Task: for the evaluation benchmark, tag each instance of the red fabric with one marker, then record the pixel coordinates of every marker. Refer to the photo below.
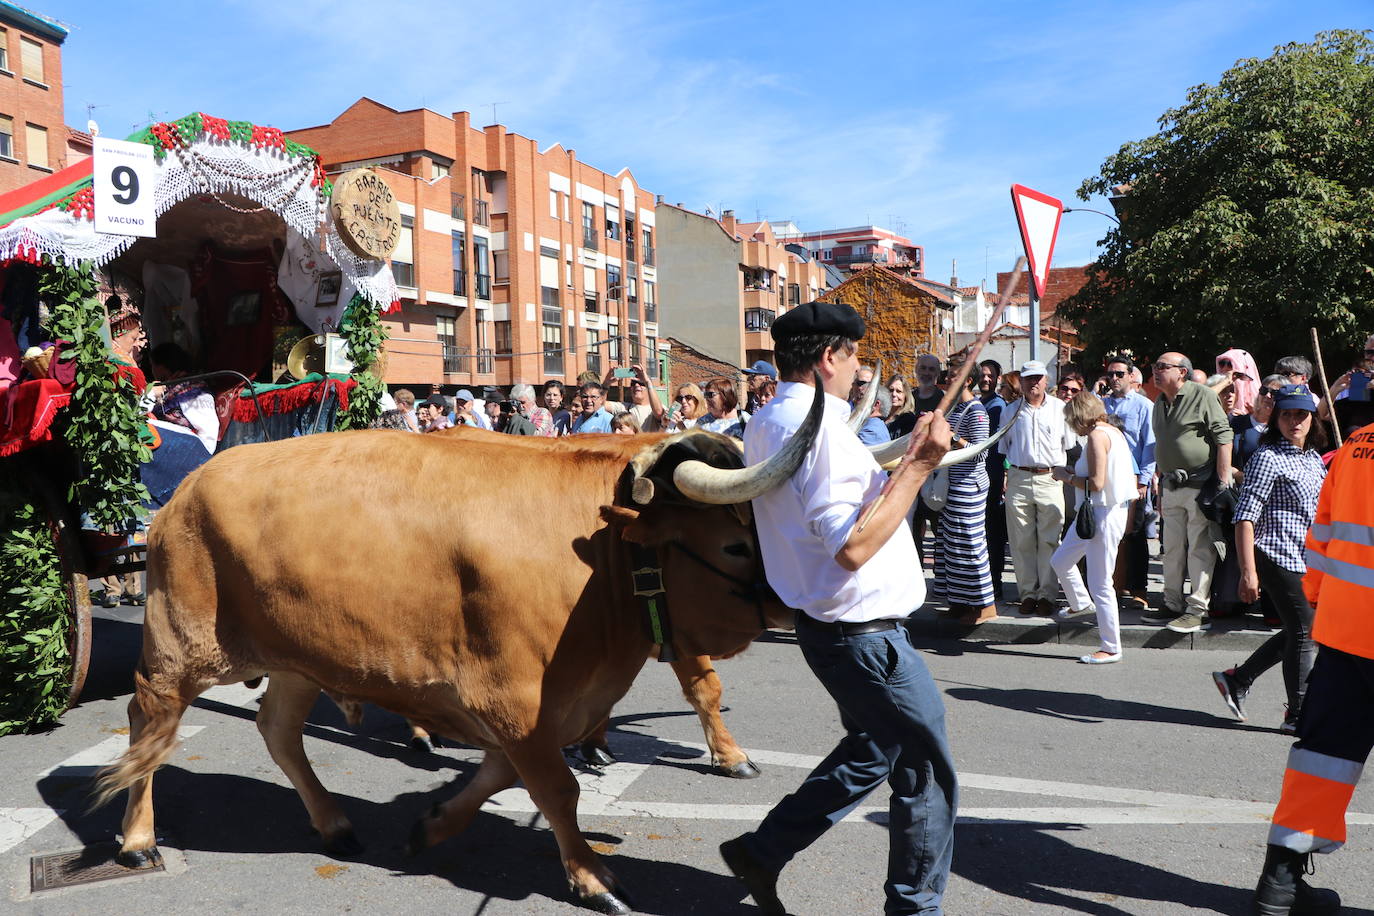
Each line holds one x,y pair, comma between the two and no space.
132,373
287,399
243,341
29,409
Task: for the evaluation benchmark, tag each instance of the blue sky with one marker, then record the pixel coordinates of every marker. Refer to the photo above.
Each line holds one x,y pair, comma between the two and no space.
915,116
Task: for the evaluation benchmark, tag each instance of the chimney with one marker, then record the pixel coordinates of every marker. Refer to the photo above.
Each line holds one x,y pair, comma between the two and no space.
954,273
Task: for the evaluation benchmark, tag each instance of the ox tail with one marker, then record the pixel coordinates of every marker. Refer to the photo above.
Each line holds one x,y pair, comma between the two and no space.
149,749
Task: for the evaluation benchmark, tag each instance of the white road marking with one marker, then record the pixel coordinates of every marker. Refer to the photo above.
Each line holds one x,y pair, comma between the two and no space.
107,751
18,824
234,694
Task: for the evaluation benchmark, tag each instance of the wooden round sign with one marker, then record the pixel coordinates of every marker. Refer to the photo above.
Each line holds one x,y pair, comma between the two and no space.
366,214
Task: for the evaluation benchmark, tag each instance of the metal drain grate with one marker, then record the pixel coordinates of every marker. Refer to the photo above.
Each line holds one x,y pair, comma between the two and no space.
81,866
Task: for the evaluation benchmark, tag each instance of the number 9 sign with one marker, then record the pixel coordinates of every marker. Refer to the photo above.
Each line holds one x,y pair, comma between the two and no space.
125,177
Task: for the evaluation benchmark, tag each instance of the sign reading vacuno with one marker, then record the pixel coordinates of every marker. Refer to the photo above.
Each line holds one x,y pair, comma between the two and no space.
366,214
125,179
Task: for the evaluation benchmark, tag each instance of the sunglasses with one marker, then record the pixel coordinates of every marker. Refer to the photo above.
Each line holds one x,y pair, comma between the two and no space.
1369,353
685,397
1070,389
1113,373
1160,367
711,394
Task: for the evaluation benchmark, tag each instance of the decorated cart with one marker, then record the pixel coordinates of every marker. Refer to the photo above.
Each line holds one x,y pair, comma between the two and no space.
201,265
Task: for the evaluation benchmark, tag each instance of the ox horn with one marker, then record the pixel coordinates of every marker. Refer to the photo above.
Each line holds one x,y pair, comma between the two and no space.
888,454
728,486
859,414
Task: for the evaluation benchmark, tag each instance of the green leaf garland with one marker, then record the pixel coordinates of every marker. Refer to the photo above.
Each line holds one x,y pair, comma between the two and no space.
364,333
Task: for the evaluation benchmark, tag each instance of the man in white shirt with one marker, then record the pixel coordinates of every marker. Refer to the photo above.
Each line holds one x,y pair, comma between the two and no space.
1034,499
853,584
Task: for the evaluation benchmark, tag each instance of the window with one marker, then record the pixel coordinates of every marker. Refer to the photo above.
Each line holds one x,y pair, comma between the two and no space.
503,344
648,252
794,293
612,221
402,259
548,297
588,226
440,170
552,328
568,273
4,50
483,215
630,238
32,59
612,281
860,249
500,261
650,306
457,207
553,203
481,267
7,136
632,289
634,341
613,341
36,141
827,254
651,367
448,343
460,275
486,364
594,352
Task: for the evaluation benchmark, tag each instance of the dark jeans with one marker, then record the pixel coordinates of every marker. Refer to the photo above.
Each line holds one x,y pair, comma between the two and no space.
1293,645
894,722
995,523
1335,720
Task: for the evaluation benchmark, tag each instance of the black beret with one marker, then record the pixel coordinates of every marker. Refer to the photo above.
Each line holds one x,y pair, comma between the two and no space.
819,318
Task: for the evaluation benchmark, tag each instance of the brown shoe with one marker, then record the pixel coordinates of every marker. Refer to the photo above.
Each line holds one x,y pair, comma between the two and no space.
1136,600
1044,607
975,616
1028,607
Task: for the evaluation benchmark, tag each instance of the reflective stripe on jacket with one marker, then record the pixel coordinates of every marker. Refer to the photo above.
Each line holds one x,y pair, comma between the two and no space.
1340,551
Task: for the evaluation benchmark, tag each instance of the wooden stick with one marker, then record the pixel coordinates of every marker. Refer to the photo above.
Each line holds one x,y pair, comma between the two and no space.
956,382
1326,390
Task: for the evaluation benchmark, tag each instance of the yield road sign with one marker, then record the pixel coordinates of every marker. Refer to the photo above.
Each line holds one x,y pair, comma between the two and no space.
1038,217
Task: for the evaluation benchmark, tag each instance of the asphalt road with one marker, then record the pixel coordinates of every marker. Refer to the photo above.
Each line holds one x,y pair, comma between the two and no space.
1121,789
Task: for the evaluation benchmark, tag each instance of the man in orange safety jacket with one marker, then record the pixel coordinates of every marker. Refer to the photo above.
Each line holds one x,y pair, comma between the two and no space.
1336,724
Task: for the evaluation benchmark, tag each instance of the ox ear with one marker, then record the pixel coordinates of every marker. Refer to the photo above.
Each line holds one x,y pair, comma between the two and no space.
631,527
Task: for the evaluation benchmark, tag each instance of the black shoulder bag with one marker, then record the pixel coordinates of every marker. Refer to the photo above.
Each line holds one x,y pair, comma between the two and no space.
1086,522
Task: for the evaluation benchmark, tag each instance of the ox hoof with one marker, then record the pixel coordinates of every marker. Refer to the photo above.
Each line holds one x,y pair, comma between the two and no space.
596,755
422,745
419,837
140,858
344,846
745,770
606,902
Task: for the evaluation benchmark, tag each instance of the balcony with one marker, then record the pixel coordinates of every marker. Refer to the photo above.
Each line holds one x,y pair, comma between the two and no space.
484,286
869,257
553,361
629,250
589,239
613,231
458,207
481,214
759,319
460,283
455,358
486,361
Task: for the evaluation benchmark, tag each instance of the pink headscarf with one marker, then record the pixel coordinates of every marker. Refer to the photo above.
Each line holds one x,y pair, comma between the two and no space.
1246,388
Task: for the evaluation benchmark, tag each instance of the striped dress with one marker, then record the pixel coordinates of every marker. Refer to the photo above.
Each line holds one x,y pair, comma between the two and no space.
961,546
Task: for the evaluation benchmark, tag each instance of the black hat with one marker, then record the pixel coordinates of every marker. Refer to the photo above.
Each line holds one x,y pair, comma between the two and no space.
819,318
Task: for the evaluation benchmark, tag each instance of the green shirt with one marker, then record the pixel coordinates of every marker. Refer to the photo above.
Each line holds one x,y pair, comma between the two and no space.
1189,429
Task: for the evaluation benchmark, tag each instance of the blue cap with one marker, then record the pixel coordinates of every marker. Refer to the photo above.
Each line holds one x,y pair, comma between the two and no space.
1295,397
464,395
762,367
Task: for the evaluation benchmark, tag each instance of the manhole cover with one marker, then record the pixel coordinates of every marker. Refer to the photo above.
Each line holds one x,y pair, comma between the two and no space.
81,866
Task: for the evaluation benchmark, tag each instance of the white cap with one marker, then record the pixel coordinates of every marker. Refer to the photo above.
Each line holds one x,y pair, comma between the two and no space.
1032,369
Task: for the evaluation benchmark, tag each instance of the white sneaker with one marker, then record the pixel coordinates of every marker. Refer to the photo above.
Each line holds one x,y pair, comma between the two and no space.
1095,660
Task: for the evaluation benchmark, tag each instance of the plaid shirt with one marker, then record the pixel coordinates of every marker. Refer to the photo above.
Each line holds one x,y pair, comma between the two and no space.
1279,496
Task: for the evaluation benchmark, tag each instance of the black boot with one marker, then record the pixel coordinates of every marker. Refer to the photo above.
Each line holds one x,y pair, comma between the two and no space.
1282,890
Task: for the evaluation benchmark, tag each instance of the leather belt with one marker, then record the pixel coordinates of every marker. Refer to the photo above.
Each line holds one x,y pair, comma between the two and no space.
842,628
1032,470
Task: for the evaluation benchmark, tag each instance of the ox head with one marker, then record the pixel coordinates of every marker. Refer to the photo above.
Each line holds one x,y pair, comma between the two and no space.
686,497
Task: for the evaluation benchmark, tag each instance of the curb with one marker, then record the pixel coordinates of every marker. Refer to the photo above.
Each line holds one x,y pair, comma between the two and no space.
1230,634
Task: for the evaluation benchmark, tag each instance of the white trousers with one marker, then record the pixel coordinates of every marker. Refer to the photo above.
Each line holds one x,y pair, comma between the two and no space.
1189,549
1101,554
1035,517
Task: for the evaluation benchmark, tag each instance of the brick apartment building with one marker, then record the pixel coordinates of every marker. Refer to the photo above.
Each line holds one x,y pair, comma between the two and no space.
515,264
727,282
34,137
851,250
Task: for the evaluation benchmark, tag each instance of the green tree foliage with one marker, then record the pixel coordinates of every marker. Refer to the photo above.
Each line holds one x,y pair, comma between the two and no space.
1248,218
363,333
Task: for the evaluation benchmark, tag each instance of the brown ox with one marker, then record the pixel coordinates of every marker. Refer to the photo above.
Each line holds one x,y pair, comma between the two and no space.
245,578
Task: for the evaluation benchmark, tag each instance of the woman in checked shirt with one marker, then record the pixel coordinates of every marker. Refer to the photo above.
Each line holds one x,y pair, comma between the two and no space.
1278,499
